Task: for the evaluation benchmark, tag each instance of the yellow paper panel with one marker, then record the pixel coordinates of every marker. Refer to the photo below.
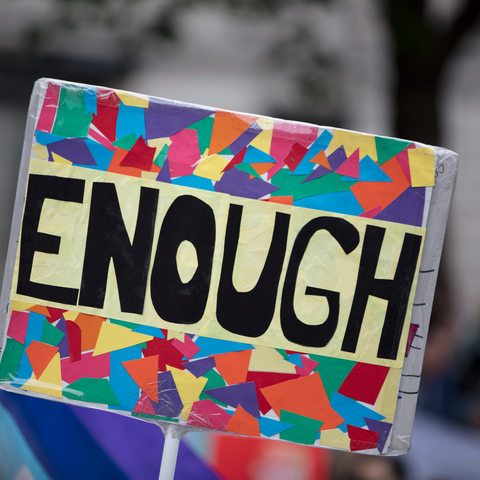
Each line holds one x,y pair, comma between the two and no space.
324,264
387,398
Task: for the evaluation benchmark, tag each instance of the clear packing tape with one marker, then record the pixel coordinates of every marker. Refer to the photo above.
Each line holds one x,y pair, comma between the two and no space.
199,268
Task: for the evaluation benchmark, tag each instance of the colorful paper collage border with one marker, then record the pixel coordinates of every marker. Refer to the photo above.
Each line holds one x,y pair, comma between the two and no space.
197,381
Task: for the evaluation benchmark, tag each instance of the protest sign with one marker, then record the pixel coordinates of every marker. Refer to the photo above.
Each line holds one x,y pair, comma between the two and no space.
219,270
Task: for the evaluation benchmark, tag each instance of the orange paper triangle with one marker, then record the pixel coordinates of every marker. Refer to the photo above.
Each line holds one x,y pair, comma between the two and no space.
287,200
233,366
39,309
321,159
227,127
90,326
262,168
40,355
144,372
243,423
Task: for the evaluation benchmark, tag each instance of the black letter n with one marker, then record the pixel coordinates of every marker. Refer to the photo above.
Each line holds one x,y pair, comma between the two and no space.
107,238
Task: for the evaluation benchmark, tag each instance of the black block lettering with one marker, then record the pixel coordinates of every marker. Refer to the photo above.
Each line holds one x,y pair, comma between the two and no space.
250,313
188,219
41,187
396,291
293,328
107,239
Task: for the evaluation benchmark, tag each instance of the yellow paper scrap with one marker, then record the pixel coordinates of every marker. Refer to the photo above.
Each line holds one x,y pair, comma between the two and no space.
60,159
335,439
70,315
158,144
351,141
133,100
189,388
422,166
41,151
265,359
173,334
211,167
115,337
50,381
20,306
263,141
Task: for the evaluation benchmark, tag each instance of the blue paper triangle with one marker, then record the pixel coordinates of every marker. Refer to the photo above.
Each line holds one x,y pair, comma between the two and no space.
194,181
146,330
352,412
337,202
369,172
44,138
254,155
213,346
270,427
296,359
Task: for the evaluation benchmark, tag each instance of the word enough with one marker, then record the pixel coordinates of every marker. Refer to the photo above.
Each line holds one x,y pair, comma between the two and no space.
193,220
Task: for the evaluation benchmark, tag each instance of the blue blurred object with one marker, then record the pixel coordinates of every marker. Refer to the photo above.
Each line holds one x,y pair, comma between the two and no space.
77,443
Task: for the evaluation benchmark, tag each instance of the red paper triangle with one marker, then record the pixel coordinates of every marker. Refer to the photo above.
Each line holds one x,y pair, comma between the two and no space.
140,156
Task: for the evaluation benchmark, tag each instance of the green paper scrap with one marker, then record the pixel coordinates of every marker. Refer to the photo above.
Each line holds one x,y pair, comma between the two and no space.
226,151
10,360
155,417
204,133
94,390
127,142
305,429
333,371
161,157
288,185
388,148
247,168
141,345
215,380
71,119
51,335
283,353
291,185
122,323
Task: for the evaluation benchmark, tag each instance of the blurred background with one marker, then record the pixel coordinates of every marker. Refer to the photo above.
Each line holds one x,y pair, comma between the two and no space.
404,68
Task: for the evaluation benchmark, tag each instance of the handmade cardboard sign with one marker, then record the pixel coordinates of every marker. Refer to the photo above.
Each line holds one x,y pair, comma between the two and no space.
221,270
